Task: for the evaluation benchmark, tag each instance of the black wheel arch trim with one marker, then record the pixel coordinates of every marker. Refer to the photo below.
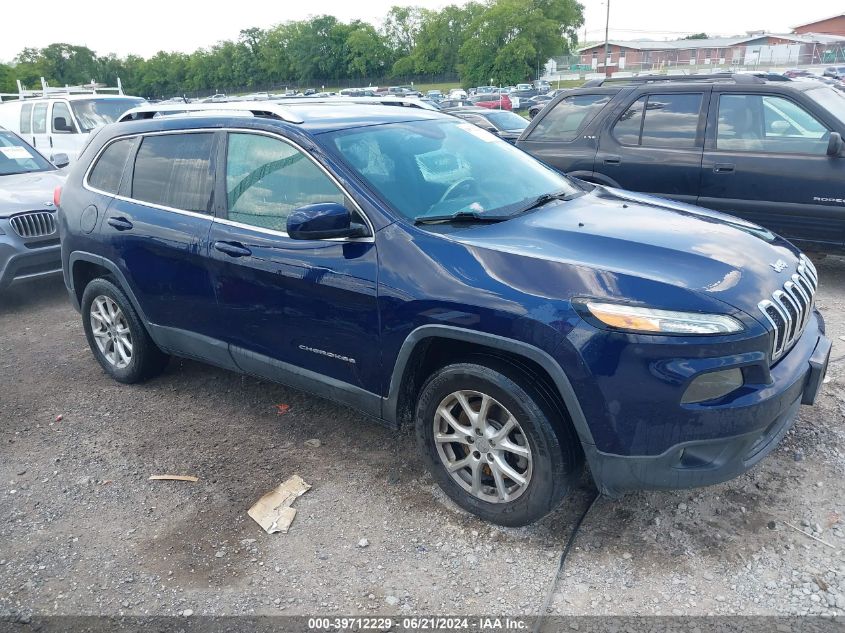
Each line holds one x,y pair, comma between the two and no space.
543,359
101,261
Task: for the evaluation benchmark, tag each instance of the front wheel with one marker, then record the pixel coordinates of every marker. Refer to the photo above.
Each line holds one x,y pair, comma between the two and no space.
496,445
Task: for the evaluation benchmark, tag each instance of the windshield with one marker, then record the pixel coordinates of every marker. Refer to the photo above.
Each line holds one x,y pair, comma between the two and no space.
443,167
831,100
16,157
92,113
506,120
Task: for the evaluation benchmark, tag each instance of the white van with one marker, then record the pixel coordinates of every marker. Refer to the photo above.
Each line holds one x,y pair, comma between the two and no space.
58,120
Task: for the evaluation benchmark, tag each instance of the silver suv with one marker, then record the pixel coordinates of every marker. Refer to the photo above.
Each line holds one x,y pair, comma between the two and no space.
29,241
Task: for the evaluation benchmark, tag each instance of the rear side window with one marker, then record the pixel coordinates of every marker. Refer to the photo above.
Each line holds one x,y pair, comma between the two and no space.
109,168
174,170
39,118
663,120
26,118
566,120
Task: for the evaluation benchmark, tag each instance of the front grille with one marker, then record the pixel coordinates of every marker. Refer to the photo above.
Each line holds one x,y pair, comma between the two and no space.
34,224
789,309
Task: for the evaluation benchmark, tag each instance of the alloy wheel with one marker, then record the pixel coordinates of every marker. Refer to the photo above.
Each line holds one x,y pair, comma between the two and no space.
111,331
482,446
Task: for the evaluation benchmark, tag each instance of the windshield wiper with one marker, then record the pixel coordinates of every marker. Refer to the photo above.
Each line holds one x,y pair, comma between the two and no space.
545,198
460,216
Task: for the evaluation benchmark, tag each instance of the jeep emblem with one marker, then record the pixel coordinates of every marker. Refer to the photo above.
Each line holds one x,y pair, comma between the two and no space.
779,266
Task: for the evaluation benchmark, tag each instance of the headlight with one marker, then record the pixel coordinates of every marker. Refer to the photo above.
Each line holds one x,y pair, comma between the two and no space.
653,321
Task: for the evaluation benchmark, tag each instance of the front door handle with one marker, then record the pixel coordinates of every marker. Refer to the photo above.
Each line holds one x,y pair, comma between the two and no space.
612,160
723,168
233,249
121,224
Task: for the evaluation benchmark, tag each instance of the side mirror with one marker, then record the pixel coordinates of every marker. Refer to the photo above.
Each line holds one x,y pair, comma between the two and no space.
60,124
323,221
61,160
835,144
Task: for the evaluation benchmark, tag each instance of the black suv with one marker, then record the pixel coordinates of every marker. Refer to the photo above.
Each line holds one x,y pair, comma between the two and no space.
768,151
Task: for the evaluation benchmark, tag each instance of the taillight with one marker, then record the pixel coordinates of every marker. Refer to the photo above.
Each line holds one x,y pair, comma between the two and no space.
57,196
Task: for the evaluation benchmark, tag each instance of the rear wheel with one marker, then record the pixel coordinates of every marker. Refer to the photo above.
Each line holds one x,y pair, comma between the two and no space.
117,337
495,444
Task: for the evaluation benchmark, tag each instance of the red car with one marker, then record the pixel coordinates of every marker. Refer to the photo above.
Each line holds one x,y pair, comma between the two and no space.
499,101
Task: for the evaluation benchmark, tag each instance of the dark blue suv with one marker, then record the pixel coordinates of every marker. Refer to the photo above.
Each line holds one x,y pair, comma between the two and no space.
425,272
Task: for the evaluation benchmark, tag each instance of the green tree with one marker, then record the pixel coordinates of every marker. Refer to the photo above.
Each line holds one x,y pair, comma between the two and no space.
509,40
366,51
7,79
697,36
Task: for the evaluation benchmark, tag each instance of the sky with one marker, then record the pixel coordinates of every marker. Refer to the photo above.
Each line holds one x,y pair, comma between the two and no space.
185,25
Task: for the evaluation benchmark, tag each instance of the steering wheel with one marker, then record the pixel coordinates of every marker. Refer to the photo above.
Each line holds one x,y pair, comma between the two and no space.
463,186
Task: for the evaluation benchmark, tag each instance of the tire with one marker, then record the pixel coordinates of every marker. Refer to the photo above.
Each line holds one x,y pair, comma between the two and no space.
550,469
141,359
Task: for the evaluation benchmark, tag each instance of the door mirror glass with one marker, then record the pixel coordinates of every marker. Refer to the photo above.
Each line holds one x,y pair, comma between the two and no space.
835,144
61,160
322,221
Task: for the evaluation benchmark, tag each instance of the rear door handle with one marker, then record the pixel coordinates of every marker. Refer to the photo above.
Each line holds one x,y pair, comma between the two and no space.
723,168
121,224
233,249
612,160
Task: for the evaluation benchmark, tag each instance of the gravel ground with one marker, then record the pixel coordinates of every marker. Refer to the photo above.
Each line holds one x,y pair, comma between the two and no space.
82,530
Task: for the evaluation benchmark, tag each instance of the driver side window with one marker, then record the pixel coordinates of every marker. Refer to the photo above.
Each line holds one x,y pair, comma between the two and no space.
267,179
767,123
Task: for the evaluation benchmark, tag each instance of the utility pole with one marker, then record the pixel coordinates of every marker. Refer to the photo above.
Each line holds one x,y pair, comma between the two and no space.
607,41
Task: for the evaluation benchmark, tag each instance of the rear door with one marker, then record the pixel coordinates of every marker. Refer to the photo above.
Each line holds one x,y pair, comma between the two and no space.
157,231
40,135
561,136
654,143
766,160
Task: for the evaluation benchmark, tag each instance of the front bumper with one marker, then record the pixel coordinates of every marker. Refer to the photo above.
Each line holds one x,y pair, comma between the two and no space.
22,259
765,418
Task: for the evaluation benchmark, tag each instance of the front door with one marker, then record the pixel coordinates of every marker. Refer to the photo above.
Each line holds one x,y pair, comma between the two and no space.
288,305
655,144
766,160
157,231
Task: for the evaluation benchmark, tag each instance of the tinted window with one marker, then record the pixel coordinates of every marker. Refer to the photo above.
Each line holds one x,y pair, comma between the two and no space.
174,170
61,111
670,121
26,118
39,118
92,113
765,123
267,179
109,168
627,128
567,118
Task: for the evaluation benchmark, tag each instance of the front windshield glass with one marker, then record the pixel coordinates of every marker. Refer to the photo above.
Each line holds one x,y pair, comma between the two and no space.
831,100
506,120
443,167
92,113
16,157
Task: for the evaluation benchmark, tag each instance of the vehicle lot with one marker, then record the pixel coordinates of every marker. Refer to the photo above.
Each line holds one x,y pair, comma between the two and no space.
83,531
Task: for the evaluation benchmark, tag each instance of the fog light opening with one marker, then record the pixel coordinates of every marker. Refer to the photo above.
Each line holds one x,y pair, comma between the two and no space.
713,385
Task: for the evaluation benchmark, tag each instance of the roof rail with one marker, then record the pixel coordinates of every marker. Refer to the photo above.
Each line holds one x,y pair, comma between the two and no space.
740,78
47,92
253,108
409,102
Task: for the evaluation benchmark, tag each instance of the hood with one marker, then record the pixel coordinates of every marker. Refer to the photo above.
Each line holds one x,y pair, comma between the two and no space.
625,237
29,192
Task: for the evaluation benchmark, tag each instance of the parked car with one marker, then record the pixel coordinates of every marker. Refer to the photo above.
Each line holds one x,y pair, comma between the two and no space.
216,98
457,93
542,86
770,152
429,274
60,123
498,101
448,104
434,95
29,241
502,123
835,72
